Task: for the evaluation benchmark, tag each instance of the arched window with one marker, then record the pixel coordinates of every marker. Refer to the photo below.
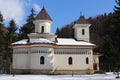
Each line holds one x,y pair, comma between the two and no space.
42,29
87,60
70,60
42,60
83,31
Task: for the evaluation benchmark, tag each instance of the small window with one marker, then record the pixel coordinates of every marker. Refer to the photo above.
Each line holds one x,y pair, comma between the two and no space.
87,60
42,60
70,60
42,29
83,31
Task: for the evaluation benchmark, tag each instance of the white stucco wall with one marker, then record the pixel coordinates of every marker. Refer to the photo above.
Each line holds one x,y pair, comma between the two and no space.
79,61
53,61
35,59
40,23
20,57
31,60
78,31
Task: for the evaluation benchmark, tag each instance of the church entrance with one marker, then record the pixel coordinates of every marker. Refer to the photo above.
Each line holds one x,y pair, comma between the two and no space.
95,66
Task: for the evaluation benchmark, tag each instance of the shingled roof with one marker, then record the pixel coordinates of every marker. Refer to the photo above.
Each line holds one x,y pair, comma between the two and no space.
43,15
82,20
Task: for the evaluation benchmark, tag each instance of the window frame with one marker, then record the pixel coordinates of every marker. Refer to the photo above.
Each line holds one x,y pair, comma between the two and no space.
83,31
42,60
87,60
70,61
42,29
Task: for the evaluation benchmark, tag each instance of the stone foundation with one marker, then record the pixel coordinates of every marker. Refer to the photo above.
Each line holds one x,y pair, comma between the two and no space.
72,72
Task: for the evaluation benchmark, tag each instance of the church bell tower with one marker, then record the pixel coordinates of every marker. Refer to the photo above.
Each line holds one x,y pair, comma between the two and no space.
42,27
43,22
81,29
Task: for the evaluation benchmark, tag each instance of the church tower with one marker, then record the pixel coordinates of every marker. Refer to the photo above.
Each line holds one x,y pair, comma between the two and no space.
43,22
42,27
81,29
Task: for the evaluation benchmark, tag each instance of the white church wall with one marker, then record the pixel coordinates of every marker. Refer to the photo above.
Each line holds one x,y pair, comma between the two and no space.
20,57
85,36
46,27
79,60
78,31
36,53
40,23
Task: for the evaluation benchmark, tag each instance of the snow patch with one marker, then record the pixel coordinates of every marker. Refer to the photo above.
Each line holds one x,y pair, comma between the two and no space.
24,41
65,41
59,77
40,40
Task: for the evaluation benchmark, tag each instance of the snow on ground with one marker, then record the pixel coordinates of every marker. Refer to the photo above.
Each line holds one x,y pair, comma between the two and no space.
58,77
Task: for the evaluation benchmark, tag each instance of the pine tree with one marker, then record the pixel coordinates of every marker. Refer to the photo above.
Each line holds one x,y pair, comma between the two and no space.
3,33
12,35
111,47
57,32
29,27
115,31
2,41
117,7
30,21
108,50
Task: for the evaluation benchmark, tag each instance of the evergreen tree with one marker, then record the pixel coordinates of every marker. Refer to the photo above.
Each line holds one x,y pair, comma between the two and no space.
10,38
108,50
2,41
29,27
115,31
111,47
12,35
30,20
1,18
57,33
3,33
117,7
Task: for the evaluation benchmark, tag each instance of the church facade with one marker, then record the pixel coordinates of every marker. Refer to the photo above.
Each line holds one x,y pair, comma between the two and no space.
44,53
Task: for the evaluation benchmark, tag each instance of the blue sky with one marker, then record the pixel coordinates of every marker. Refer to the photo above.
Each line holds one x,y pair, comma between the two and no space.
61,11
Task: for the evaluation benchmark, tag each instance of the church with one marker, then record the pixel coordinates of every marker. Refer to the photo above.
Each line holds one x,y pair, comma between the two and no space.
44,53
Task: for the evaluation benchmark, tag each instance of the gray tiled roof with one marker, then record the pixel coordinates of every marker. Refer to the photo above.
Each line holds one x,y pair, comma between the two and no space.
81,20
43,15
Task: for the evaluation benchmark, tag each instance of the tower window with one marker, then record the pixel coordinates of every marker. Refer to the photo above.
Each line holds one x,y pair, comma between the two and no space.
70,60
42,60
42,29
87,60
83,31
